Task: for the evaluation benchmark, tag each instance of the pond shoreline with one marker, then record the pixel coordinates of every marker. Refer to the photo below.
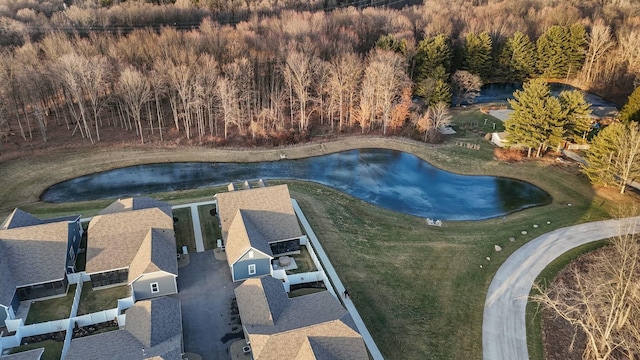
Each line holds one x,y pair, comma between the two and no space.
395,180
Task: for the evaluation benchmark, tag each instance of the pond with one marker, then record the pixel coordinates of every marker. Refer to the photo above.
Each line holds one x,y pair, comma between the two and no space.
500,92
390,179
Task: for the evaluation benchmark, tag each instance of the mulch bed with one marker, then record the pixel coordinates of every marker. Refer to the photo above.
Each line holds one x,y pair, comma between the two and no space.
77,332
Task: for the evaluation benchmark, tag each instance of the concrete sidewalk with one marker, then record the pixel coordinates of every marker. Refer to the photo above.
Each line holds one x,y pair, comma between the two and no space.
504,320
338,287
197,230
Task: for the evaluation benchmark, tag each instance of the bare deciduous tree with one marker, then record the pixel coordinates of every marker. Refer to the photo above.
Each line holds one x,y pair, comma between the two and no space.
465,86
603,299
135,91
298,73
435,117
599,43
384,79
344,76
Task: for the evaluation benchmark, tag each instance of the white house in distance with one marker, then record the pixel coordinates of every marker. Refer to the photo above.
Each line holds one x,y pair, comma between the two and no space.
257,225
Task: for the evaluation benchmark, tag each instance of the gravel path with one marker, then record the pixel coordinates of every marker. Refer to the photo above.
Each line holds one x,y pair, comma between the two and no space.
503,327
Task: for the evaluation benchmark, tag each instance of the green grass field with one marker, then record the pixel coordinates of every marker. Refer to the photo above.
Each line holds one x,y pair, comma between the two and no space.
102,299
52,349
209,226
52,309
183,228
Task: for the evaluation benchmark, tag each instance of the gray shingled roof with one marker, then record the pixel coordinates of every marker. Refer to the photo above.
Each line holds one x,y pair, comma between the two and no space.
136,203
32,255
261,301
19,218
7,282
155,325
115,239
34,354
157,253
272,212
243,235
165,320
314,326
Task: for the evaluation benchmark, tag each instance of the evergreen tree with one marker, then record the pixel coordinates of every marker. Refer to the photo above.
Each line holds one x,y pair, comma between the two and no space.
576,48
517,58
524,125
541,120
390,42
476,55
614,155
576,111
561,51
433,59
631,110
433,91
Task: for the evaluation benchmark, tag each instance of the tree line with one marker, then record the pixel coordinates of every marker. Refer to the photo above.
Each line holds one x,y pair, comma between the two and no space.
281,76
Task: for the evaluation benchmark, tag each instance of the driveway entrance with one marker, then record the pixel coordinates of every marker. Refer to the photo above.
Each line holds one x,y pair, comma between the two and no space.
210,317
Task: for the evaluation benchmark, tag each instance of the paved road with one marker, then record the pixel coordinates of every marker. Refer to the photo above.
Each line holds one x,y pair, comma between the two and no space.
209,317
503,327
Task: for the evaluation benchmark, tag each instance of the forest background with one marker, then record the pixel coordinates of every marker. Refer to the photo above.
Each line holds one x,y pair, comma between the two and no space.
277,72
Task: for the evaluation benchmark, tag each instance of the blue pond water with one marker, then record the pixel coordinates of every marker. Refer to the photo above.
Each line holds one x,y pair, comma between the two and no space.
500,92
390,179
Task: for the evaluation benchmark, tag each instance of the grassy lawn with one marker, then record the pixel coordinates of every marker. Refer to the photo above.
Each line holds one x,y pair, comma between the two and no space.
52,309
102,299
474,120
304,262
184,229
52,349
304,291
209,225
420,288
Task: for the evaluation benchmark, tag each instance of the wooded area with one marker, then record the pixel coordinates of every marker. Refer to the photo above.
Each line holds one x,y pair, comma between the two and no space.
282,74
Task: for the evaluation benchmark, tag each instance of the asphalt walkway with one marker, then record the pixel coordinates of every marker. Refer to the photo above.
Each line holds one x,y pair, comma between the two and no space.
337,284
504,320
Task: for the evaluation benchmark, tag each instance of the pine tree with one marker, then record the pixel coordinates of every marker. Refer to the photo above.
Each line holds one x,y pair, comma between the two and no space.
433,59
541,120
576,110
476,55
561,51
390,42
433,91
631,110
552,60
517,58
576,48
524,125
614,155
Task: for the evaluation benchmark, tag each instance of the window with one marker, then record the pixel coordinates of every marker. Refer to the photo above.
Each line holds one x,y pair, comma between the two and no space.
250,253
154,288
252,269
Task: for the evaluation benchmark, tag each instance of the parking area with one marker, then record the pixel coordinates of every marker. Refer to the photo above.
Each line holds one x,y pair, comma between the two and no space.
210,317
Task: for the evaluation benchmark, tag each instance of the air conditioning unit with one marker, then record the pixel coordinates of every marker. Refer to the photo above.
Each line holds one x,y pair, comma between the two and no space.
246,349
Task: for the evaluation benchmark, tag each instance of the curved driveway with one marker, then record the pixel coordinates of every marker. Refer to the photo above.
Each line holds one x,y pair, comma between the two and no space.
503,326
